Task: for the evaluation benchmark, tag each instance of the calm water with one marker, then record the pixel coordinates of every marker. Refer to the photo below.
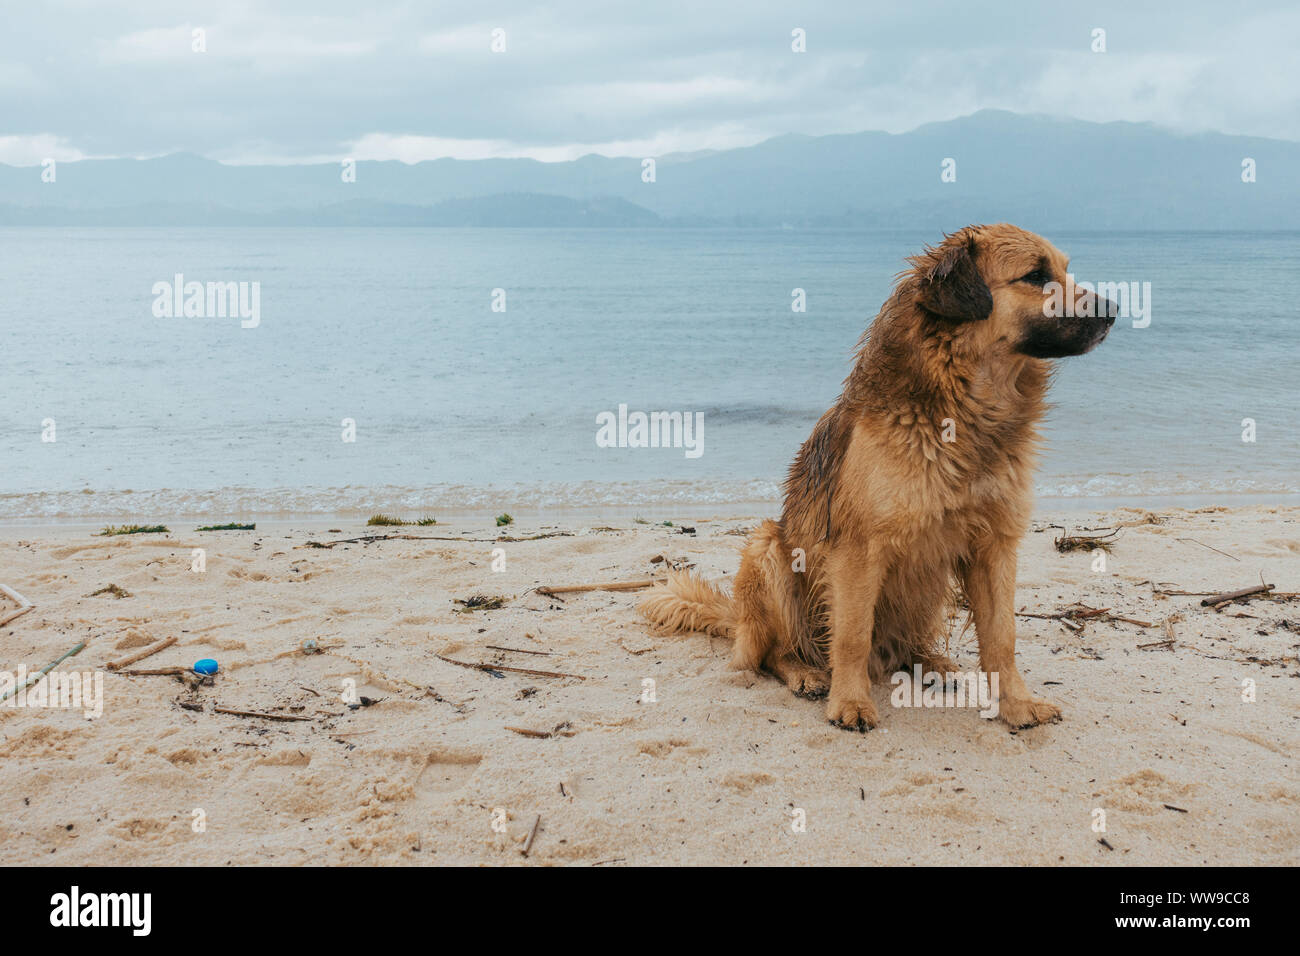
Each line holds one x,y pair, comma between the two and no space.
459,407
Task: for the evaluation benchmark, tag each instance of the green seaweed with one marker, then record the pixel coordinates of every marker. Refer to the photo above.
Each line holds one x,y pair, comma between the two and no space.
481,602
134,529
386,521
112,589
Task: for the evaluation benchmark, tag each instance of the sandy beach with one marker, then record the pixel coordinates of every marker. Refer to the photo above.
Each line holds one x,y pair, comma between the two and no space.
419,764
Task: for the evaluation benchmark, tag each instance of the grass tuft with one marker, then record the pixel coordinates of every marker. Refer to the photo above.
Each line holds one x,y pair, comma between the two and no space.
227,527
133,529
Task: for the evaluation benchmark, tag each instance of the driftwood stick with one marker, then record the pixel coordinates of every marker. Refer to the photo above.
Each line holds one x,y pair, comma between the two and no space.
610,586
502,667
14,615
253,713
516,650
532,834
141,655
24,605
156,672
1233,595
563,729
525,732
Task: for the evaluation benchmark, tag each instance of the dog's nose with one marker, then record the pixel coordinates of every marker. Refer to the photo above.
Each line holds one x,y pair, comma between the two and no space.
1102,308
1107,309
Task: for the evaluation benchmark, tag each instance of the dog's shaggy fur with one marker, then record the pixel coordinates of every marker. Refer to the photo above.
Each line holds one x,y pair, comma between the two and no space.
919,475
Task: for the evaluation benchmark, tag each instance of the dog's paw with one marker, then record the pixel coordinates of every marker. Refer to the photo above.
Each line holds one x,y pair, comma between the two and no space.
849,714
938,664
1023,712
810,682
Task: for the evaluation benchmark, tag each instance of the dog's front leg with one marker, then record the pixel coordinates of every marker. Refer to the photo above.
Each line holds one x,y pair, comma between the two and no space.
854,579
990,581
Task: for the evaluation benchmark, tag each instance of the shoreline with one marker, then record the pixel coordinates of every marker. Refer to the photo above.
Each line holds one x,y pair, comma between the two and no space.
659,511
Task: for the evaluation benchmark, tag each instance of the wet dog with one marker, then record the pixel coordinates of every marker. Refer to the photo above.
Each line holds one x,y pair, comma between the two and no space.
919,477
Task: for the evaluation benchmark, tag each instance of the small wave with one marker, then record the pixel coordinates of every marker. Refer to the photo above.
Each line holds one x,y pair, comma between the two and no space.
717,415
1153,485
245,503
356,501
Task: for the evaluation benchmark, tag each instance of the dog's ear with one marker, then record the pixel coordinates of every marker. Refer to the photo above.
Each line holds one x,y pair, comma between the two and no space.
951,285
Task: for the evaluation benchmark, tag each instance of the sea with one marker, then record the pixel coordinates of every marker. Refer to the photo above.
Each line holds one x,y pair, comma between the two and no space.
435,371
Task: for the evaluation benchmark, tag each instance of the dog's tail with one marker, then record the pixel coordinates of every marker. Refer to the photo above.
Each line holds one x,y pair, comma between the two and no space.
687,603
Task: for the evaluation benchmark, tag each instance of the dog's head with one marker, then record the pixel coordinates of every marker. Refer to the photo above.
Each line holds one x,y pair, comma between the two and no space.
1002,288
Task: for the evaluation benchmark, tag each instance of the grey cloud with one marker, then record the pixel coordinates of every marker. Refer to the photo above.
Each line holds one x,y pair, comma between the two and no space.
296,79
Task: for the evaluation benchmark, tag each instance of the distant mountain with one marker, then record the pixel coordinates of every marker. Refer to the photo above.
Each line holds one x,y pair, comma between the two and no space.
504,209
1044,173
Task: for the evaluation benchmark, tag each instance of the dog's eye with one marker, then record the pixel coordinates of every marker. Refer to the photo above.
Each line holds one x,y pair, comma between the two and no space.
1038,277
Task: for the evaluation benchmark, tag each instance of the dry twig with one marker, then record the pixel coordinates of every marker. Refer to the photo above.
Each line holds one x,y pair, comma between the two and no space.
24,605
254,713
611,586
1228,596
141,655
503,667
532,834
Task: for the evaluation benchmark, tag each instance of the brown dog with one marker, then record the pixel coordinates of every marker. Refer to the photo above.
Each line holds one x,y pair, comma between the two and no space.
920,472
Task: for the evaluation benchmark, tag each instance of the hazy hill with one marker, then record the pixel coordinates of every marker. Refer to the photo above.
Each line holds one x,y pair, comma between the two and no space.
503,209
1046,172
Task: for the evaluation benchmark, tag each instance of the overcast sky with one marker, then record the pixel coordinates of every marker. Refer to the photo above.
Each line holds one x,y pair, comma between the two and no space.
308,80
